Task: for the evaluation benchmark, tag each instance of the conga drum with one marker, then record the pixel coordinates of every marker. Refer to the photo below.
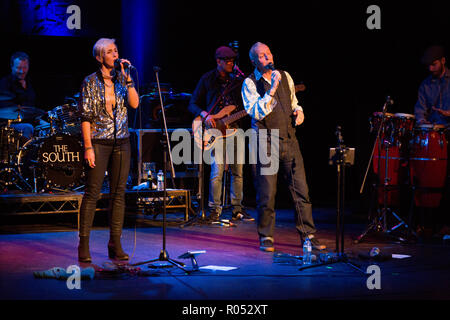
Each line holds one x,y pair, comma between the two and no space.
388,155
376,120
428,164
403,127
395,173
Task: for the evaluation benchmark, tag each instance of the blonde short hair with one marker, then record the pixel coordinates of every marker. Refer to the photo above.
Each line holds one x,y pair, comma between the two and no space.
100,46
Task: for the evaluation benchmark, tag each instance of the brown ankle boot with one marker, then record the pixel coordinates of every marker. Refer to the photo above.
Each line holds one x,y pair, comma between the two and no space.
115,250
83,250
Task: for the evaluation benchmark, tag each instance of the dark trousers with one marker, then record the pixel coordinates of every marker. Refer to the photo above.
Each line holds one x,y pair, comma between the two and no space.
291,164
115,159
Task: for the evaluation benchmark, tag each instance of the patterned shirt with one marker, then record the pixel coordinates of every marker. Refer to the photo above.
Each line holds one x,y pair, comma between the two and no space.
259,107
93,108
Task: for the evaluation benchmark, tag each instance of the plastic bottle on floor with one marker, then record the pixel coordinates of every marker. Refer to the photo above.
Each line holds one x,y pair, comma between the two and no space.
307,249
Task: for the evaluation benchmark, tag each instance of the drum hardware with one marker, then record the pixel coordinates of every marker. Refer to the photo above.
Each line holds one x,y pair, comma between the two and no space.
49,161
13,178
24,112
391,130
10,144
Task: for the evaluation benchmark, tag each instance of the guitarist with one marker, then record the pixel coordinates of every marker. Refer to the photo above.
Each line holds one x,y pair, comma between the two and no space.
217,89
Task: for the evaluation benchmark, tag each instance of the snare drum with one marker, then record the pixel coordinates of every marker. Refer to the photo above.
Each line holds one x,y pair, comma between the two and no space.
42,131
429,164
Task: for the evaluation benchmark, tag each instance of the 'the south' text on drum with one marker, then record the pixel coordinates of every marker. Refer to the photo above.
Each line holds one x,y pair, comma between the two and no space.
61,155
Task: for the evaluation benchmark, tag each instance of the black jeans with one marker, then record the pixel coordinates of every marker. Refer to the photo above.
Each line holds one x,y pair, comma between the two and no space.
115,159
291,163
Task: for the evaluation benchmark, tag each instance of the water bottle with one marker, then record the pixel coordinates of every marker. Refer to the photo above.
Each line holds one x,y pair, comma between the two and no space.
160,180
307,249
149,179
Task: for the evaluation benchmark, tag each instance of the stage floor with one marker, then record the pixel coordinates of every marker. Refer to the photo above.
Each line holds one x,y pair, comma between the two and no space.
258,275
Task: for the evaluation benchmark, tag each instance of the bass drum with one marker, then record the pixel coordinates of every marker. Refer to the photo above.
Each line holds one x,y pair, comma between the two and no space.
52,163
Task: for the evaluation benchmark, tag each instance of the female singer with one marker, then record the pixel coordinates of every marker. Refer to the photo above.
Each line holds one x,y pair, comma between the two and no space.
105,96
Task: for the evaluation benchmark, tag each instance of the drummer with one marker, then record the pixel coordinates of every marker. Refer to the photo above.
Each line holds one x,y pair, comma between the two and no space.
433,104
18,86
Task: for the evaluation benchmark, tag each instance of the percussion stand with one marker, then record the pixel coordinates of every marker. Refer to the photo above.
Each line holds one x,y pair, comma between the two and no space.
164,256
385,209
379,222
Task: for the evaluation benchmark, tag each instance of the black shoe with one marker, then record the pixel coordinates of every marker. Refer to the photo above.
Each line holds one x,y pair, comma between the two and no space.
242,215
266,245
315,243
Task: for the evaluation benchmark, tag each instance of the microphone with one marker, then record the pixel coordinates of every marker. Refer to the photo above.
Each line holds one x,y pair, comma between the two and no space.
156,68
126,65
389,101
375,254
270,66
338,134
238,71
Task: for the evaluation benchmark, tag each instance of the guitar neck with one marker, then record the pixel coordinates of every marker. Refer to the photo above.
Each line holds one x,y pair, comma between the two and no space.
234,117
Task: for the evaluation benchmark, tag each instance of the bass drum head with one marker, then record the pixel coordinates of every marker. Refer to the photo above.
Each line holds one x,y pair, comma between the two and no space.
55,162
60,156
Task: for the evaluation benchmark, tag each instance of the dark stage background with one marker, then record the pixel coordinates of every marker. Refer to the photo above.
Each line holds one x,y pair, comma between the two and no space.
348,69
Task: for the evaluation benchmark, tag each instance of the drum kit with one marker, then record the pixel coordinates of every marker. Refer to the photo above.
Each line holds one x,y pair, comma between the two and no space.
52,160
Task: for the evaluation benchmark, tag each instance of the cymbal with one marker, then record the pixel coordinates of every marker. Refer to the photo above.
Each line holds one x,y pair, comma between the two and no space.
181,96
6,96
25,112
169,95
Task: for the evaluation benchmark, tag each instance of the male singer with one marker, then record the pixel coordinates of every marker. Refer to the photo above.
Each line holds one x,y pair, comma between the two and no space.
269,98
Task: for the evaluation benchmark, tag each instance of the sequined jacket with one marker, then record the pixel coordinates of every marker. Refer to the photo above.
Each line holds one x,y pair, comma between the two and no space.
93,108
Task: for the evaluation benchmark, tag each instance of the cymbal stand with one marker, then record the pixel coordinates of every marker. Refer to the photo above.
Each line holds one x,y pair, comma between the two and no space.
9,169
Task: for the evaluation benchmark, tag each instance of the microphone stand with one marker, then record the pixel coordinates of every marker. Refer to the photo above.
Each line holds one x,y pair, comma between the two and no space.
164,256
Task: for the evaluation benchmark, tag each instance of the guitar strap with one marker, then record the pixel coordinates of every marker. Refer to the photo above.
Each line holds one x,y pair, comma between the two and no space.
227,89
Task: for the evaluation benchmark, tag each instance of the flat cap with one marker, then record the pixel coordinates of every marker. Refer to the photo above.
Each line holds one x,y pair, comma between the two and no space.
225,52
431,54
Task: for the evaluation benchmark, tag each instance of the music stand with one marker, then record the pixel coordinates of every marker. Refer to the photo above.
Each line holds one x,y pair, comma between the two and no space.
164,256
341,156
